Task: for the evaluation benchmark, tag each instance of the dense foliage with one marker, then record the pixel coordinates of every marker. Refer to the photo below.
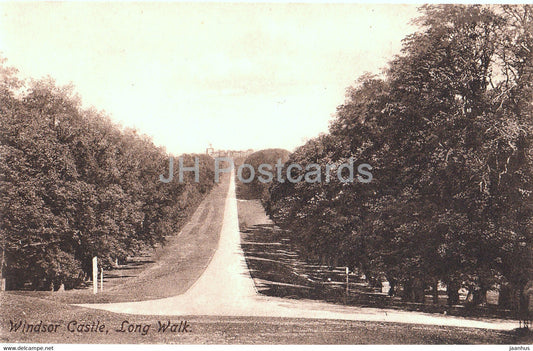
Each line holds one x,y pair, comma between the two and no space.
257,189
74,185
448,131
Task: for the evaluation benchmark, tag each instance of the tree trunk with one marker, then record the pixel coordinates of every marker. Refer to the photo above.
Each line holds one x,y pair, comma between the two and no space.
523,308
504,296
408,294
479,296
392,287
419,293
469,297
435,292
452,289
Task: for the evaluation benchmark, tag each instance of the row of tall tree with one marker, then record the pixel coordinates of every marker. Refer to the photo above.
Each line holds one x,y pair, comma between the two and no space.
256,189
74,185
448,131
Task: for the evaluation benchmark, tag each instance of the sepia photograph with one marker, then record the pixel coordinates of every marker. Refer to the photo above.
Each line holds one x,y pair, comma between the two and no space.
175,174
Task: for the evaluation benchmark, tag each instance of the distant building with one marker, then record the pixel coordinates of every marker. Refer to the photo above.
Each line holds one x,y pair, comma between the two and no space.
210,150
227,153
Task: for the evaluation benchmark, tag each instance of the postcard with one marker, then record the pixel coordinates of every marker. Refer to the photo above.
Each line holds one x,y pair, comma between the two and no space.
254,173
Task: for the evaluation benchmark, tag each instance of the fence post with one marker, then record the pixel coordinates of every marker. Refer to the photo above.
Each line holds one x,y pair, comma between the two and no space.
347,282
95,275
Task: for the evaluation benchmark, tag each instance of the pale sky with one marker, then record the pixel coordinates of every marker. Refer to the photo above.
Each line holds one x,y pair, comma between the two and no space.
238,76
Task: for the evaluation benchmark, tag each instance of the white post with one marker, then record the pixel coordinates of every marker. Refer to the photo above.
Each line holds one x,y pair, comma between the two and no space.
101,279
95,275
347,281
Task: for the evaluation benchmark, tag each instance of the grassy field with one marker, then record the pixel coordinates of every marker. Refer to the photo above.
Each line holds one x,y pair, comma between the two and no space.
227,330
